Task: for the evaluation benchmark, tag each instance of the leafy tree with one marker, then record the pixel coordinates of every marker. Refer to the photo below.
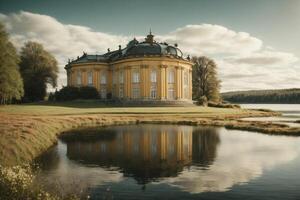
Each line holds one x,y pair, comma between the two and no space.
38,68
11,84
205,80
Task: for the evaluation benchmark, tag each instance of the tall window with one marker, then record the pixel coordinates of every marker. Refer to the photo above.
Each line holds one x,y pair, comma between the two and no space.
121,84
136,92
136,77
103,82
121,91
153,92
171,81
90,78
171,76
103,78
153,76
171,93
153,88
79,77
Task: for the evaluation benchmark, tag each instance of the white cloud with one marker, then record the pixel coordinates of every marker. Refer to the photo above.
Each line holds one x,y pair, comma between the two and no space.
243,60
237,162
212,39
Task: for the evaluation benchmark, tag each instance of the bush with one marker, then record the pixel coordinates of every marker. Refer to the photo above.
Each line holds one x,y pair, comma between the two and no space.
222,105
202,101
67,93
88,92
72,93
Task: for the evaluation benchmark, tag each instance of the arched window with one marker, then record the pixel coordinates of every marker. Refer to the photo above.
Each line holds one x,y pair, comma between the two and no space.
121,77
153,76
135,77
153,87
171,76
171,84
79,77
90,78
103,78
103,82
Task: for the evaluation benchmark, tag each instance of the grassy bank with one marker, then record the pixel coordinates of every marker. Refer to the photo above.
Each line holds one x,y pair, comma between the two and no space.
28,130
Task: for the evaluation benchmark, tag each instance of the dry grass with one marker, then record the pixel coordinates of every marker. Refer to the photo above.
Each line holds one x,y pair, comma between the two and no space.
28,130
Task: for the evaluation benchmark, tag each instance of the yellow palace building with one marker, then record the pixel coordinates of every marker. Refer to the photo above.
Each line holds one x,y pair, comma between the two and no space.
147,71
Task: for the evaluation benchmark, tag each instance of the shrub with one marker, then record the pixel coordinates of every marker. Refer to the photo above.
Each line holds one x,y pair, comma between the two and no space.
88,92
202,101
72,93
67,93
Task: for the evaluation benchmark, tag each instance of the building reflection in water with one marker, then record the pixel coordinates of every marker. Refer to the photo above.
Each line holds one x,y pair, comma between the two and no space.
145,152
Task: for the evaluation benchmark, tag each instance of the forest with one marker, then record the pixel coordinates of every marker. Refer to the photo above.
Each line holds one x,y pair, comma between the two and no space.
291,96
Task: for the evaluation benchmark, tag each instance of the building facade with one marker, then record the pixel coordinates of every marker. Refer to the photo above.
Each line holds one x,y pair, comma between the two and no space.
145,70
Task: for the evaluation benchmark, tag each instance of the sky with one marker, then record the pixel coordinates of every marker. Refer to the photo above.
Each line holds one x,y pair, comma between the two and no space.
254,43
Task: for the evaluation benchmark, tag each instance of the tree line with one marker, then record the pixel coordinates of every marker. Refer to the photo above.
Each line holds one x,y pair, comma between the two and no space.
264,96
24,77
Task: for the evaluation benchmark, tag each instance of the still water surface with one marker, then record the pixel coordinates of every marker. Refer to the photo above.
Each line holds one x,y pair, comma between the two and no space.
290,113
174,162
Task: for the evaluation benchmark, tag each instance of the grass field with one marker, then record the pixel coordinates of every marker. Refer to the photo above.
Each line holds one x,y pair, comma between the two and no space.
28,130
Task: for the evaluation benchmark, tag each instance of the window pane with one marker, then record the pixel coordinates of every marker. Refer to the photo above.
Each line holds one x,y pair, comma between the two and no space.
121,77
79,78
171,76
153,92
90,78
153,76
103,78
136,77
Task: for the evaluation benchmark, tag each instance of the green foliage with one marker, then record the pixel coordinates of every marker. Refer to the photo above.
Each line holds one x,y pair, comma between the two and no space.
72,93
264,96
11,84
202,101
205,80
38,68
88,92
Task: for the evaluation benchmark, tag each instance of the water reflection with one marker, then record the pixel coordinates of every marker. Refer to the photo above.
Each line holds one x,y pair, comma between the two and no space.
178,158
146,152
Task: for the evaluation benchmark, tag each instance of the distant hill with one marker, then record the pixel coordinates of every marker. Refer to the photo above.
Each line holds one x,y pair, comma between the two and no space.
264,96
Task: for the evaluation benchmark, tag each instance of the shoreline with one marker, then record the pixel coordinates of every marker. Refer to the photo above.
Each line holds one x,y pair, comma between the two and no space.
26,135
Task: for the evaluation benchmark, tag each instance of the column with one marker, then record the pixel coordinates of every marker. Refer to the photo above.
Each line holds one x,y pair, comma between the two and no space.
190,85
162,82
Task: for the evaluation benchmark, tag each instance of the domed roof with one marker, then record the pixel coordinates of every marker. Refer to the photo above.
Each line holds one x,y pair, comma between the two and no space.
134,48
150,47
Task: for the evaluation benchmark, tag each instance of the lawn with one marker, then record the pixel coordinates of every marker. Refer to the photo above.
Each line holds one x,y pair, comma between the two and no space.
28,130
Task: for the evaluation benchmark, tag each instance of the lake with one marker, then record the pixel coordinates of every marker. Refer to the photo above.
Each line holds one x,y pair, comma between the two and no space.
172,162
290,113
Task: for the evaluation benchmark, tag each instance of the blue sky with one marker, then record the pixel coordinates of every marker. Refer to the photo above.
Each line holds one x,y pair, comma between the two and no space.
274,23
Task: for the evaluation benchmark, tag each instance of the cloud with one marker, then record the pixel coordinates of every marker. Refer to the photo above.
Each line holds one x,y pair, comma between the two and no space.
265,58
237,162
244,62
213,39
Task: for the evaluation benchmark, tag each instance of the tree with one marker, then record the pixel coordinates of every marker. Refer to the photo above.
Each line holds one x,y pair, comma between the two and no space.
11,84
205,80
38,68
